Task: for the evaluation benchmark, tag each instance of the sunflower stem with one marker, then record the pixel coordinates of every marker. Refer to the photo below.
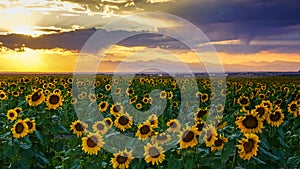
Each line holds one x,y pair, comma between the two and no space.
234,160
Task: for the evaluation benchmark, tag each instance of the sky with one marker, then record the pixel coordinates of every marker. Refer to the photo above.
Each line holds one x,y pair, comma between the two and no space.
153,35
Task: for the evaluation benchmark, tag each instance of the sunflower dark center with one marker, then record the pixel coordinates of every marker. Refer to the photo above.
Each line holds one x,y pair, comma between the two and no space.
275,117
277,102
203,97
153,152
173,125
161,137
11,114
108,122
218,142
19,128
188,136
244,101
123,120
103,105
117,108
293,107
29,124
200,126
79,127
261,111
250,122
2,95
100,126
201,113
209,135
267,105
145,130
121,159
261,96
248,146
92,141
18,110
54,99
36,96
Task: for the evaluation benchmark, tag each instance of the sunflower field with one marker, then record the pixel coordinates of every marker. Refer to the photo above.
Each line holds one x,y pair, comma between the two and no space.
60,121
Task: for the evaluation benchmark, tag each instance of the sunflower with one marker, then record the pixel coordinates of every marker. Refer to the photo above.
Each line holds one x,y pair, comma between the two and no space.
116,109
123,122
144,130
293,107
79,127
117,91
73,101
54,100
92,98
122,159
103,106
261,110
170,95
210,135
100,95
129,91
248,147
175,104
107,87
163,94
15,94
173,125
100,127
188,137
108,121
20,129
219,143
133,100
11,115
139,106
18,109
154,154
31,125
268,104
162,138
153,119
92,143
204,97
261,96
250,122
219,108
36,98
3,95
275,118
200,113
199,125
278,102
243,101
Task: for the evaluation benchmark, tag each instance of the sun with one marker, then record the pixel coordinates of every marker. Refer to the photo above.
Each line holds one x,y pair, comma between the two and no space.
19,20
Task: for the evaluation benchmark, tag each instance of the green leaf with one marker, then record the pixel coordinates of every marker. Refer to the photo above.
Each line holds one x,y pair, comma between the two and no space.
9,151
138,164
39,136
293,162
272,156
5,134
228,149
42,157
24,146
259,161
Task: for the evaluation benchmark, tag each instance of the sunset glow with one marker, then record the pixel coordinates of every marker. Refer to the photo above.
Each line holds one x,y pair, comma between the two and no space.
47,36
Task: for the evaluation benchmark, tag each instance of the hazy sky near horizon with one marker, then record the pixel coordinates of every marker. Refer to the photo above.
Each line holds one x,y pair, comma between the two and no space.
248,35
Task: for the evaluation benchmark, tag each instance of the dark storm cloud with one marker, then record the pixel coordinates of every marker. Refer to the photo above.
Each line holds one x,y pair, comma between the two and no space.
245,19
